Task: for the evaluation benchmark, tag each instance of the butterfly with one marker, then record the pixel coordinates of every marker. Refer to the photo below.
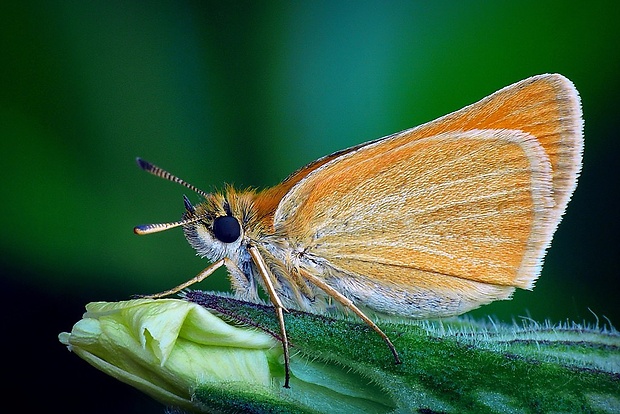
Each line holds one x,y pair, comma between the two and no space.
429,222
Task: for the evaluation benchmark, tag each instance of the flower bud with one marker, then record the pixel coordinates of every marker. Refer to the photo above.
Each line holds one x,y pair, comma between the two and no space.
166,347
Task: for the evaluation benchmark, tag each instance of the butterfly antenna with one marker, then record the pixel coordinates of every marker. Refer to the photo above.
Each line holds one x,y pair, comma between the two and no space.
157,227
161,173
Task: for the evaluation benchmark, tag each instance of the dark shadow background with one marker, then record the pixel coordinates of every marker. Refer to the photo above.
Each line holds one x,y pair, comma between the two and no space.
245,94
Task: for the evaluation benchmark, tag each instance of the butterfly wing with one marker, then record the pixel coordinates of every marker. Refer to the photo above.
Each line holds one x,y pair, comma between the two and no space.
545,106
441,218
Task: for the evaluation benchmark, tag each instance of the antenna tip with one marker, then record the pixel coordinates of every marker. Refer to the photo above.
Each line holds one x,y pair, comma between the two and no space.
143,229
143,164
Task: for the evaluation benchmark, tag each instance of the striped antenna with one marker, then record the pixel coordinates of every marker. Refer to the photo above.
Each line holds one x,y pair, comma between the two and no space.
155,170
157,227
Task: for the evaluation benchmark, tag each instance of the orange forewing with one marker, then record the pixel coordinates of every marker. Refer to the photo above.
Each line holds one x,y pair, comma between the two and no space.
545,106
457,204
521,146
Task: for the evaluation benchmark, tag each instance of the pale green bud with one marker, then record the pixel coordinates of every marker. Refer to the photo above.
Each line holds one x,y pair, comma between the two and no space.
167,347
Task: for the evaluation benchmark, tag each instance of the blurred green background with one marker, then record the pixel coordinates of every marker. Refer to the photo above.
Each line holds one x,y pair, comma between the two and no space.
245,93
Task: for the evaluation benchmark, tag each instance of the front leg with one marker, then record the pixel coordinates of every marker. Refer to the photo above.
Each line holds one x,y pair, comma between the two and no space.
265,273
244,285
198,278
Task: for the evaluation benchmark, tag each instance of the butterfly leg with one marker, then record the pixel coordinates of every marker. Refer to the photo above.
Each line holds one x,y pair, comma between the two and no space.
243,285
277,303
198,278
346,302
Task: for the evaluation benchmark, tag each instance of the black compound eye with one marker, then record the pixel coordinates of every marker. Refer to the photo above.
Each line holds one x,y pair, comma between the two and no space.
226,229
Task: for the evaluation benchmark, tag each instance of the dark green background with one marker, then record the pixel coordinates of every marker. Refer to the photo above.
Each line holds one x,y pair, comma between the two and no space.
245,93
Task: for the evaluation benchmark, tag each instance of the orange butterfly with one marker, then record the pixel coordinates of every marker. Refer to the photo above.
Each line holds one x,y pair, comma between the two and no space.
430,222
